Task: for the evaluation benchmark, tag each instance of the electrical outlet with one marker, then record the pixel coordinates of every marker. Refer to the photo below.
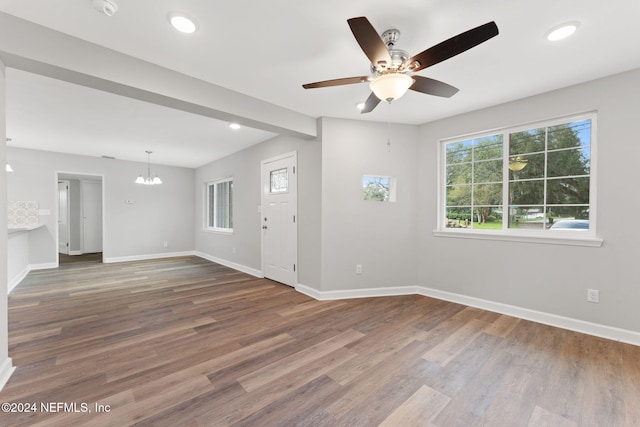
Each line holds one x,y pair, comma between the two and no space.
358,268
233,250
593,295
166,244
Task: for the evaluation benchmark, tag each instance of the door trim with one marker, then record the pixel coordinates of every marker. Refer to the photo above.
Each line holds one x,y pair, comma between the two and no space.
65,175
68,233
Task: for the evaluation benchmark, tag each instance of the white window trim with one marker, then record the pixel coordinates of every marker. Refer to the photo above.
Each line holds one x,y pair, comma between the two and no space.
206,227
570,238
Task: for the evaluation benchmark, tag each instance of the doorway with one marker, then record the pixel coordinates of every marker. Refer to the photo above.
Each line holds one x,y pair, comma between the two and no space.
80,217
278,219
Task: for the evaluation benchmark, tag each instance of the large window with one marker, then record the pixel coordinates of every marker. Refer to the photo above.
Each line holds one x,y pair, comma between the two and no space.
220,205
525,179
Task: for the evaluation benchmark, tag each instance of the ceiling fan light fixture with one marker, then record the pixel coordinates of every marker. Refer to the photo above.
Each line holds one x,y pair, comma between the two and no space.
389,87
562,31
183,23
517,163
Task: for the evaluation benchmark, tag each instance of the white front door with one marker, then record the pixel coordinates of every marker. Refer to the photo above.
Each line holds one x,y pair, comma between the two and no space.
63,217
91,216
278,219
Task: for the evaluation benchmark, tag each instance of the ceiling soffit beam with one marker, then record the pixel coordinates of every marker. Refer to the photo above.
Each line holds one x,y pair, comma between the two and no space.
30,47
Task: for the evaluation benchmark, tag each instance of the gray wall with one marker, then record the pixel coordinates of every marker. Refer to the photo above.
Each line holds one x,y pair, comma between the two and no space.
377,235
244,167
159,213
548,278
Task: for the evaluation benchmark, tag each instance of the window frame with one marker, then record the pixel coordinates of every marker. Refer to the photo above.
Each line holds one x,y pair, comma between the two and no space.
570,237
212,205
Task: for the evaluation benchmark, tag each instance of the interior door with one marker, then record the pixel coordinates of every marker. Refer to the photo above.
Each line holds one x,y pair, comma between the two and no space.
278,219
63,217
91,216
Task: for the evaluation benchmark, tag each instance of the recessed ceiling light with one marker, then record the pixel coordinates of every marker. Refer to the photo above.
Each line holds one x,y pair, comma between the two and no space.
360,106
183,23
562,31
234,126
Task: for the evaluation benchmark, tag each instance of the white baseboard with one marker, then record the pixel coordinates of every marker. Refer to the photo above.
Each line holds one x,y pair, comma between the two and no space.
355,293
310,292
43,266
589,328
230,264
15,281
146,257
6,369
72,253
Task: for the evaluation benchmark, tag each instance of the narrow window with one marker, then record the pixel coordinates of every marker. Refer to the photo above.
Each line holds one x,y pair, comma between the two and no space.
220,205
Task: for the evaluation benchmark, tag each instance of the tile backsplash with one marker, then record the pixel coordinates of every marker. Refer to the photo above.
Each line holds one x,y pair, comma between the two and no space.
22,214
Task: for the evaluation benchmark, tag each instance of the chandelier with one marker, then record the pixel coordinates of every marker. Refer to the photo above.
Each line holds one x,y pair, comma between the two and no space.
148,180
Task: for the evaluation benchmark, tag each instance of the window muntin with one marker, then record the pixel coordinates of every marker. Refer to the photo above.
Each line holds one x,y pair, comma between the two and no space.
521,179
220,205
474,182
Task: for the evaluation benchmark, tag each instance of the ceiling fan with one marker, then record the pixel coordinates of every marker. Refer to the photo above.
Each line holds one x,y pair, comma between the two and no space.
389,66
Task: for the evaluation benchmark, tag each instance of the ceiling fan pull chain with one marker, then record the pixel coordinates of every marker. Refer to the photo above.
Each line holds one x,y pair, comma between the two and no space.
389,127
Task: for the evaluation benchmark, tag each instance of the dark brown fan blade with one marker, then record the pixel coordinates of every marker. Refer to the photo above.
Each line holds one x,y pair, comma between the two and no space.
433,87
337,82
369,40
371,103
453,46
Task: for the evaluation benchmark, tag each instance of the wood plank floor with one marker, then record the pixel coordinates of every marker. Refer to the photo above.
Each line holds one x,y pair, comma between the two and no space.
74,260
186,342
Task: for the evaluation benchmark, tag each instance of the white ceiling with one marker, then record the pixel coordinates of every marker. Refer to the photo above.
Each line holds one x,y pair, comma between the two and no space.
267,49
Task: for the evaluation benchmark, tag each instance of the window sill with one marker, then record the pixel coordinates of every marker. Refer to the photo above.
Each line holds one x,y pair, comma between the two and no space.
568,239
218,231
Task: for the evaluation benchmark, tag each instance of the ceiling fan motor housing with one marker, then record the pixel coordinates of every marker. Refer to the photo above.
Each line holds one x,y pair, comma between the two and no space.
398,59
398,56
390,37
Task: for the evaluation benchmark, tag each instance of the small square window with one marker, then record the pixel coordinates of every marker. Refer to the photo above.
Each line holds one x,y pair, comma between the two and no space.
279,181
379,188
